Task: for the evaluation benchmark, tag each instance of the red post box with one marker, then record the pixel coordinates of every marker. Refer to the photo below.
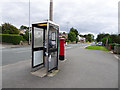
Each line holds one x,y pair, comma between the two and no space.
61,48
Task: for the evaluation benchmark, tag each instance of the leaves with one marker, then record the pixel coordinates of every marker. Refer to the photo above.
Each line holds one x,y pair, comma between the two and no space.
9,29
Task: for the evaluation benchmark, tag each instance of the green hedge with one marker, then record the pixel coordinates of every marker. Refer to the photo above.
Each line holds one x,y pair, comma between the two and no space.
11,38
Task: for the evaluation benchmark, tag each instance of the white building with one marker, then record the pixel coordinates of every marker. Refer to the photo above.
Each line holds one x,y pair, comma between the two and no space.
81,39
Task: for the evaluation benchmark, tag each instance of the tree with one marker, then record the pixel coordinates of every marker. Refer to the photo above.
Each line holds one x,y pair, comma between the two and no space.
26,35
9,29
114,38
81,35
64,33
0,29
89,37
105,39
71,36
75,31
24,27
119,39
101,36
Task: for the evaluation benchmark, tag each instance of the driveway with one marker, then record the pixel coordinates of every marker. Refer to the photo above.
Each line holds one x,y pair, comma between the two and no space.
83,69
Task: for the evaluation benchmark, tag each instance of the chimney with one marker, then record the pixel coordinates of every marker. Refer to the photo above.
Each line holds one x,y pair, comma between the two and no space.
51,11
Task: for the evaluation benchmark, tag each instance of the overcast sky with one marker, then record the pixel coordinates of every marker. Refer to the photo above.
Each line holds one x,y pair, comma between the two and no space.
87,16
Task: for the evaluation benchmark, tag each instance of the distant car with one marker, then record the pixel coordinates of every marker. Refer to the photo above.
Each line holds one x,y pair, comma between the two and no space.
99,44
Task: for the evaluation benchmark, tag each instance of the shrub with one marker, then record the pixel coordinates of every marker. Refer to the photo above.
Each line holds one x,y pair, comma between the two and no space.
11,38
9,29
26,36
66,40
104,40
118,45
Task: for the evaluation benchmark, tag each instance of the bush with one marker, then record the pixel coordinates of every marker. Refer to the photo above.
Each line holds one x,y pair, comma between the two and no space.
118,45
11,38
26,36
9,29
66,40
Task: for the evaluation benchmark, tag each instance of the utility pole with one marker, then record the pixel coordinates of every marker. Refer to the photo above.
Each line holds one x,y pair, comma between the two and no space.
29,23
51,11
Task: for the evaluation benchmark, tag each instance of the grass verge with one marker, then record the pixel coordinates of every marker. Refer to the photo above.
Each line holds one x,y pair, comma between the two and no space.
95,47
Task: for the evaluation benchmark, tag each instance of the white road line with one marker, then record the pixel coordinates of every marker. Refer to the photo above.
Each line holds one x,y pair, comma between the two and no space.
116,56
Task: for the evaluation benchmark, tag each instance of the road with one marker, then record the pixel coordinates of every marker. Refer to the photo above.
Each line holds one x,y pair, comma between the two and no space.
14,55
83,69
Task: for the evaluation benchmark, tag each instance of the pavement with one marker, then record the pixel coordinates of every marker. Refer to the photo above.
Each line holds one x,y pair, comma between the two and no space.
83,69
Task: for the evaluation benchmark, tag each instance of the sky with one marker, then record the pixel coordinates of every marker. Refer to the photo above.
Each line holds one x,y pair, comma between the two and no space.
87,16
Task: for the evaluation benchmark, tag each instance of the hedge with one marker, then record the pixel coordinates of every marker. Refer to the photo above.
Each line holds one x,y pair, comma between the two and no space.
11,38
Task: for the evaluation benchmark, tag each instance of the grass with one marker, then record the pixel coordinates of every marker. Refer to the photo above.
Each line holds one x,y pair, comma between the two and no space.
95,47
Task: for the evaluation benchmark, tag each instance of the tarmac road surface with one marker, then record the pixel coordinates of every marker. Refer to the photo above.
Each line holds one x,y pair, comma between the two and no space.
83,69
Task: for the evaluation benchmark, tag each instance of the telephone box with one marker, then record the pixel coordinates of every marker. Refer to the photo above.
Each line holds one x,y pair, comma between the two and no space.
45,39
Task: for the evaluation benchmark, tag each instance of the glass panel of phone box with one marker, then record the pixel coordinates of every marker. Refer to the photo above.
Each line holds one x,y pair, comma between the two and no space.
52,47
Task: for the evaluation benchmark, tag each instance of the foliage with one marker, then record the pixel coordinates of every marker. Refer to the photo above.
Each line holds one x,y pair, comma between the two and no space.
26,35
66,40
88,37
63,36
114,38
64,33
71,36
9,29
94,47
76,40
101,36
74,30
81,35
105,39
11,38
24,27
118,45
118,39
0,29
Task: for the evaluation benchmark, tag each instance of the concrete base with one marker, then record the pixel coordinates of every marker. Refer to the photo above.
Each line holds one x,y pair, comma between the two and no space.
40,73
53,73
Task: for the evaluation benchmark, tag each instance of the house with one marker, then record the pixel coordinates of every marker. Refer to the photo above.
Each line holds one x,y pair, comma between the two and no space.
22,31
81,39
